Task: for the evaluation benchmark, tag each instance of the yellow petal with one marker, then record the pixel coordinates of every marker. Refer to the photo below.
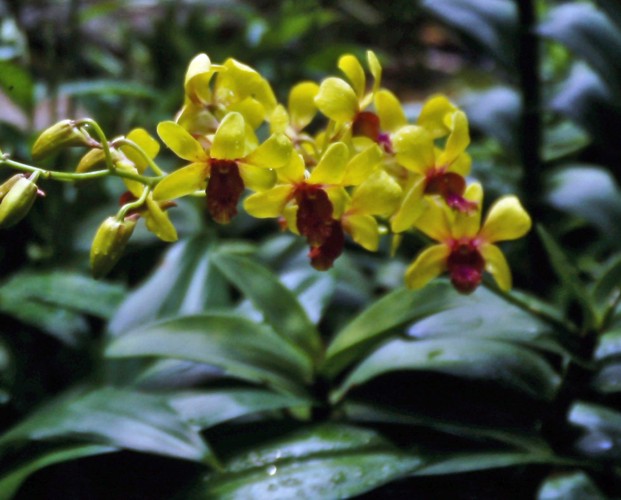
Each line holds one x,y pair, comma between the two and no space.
182,182
256,178
273,153
362,165
331,166
302,105
461,165
294,171
279,120
414,149
337,100
506,220
268,203
429,264
376,69
363,230
379,195
432,116
496,265
412,207
146,142
229,141
389,110
339,199
197,78
180,141
354,72
436,221
196,118
252,111
240,81
158,223
457,141
469,224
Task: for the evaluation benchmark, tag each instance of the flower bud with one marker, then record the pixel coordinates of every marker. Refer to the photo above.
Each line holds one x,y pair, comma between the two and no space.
18,200
63,134
109,243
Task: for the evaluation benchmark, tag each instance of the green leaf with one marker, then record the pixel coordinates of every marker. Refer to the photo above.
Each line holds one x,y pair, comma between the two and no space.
608,378
10,482
279,306
483,314
568,274
613,9
115,417
18,85
589,192
56,301
569,486
470,462
563,139
208,408
242,348
313,289
326,461
609,345
490,360
588,33
381,318
491,24
67,290
107,87
373,412
608,288
186,282
602,430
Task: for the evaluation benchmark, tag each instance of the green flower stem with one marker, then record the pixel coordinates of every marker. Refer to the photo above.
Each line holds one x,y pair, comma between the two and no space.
102,139
134,204
532,309
73,176
126,142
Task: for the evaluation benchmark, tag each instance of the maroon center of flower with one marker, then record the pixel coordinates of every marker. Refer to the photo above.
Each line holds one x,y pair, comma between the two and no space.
314,217
465,265
322,257
451,187
366,123
224,189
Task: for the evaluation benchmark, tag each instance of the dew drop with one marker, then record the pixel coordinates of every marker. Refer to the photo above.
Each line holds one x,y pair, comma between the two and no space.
271,470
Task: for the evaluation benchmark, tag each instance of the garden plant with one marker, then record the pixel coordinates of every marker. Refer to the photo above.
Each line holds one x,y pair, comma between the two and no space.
320,288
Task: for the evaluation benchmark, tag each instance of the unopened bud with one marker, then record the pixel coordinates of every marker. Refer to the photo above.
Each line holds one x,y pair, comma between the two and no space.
109,244
63,134
18,200
6,186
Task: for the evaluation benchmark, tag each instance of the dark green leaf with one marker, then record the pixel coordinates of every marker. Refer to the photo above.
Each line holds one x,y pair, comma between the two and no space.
568,274
608,378
613,9
569,486
608,287
208,408
496,112
313,289
279,306
602,430
67,290
491,24
327,461
10,482
242,348
589,192
469,462
186,282
563,139
491,360
115,417
17,84
381,318
587,32
609,345
373,412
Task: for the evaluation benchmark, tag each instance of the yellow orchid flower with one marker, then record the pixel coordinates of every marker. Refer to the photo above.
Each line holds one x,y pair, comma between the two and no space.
345,102
231,161
212,91
466,249
429,170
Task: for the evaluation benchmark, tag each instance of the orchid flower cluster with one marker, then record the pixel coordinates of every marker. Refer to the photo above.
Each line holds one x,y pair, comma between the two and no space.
339,160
